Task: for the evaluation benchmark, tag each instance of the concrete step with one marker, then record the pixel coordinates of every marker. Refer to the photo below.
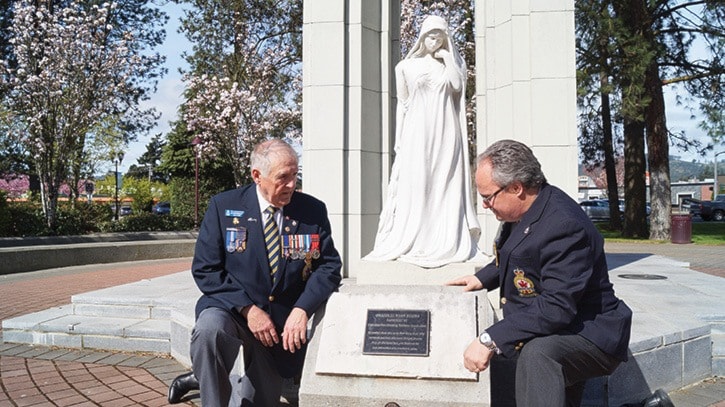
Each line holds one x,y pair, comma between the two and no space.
130,317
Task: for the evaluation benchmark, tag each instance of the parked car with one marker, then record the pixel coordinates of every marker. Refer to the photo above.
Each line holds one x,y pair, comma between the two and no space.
647,207
596,209
162,208
124,210
713,210
691,205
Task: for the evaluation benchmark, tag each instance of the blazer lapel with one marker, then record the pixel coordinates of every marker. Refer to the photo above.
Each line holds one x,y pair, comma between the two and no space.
523,229
255,223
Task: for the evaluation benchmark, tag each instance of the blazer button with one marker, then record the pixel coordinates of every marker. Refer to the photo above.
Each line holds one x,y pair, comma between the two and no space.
271,298
503,300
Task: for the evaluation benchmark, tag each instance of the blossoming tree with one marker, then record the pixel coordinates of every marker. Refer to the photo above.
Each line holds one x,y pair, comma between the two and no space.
244,80
75,67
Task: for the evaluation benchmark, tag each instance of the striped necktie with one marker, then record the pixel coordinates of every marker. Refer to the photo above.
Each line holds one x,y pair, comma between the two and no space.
271,239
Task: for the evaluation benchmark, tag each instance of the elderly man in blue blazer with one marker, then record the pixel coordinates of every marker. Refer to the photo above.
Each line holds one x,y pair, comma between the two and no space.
264,262
562,322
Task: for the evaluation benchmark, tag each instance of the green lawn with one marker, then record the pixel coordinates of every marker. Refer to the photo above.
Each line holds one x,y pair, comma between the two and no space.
704,233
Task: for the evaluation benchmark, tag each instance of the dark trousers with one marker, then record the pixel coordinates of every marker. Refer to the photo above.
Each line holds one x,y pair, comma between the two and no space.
215,343
550,371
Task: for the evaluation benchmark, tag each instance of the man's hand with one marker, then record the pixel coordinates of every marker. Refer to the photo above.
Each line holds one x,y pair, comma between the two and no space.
470,283
477,357
294,334
261,325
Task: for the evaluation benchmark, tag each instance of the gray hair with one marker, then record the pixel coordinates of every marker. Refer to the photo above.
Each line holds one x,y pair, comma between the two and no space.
268,152
512,161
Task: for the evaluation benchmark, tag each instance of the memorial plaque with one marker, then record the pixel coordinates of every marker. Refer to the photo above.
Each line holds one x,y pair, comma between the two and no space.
397,332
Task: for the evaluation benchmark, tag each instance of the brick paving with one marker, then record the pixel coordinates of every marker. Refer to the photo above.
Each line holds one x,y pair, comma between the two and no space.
48,376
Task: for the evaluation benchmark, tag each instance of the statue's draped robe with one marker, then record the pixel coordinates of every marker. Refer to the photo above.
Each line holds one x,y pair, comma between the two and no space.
428,217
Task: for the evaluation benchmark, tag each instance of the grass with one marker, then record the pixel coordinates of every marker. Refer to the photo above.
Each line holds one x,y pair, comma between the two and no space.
703,233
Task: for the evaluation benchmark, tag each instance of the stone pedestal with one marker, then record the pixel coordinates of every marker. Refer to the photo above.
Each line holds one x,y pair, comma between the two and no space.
400,273
337,373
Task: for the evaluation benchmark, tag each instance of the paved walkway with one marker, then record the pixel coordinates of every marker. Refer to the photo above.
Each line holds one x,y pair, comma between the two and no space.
45,376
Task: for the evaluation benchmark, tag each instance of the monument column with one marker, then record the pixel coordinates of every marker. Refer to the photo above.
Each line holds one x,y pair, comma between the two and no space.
348,46
526,87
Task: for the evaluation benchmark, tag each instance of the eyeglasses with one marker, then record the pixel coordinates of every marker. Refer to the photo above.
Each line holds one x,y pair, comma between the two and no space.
488,200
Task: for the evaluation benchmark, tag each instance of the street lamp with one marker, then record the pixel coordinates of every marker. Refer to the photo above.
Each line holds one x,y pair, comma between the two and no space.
716,187
197,141
118,157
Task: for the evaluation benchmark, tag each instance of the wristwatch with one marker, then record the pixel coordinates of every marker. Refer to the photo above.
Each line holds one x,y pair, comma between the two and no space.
486,341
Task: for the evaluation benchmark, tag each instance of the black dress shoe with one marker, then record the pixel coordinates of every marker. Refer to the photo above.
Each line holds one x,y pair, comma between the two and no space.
182,385
658,399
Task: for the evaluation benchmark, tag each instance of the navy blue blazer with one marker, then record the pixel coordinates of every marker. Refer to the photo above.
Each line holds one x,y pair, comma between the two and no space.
554,278
233,280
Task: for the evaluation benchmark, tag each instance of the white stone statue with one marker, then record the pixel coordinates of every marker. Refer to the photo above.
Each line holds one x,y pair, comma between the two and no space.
428,218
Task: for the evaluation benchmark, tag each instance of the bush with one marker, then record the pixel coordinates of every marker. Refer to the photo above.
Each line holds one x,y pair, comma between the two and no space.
148,222
82,219
23,219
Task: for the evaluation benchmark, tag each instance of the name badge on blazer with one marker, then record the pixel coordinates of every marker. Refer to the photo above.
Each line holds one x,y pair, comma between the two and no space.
236,239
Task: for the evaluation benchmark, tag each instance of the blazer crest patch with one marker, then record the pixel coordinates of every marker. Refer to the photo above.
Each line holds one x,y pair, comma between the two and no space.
523,284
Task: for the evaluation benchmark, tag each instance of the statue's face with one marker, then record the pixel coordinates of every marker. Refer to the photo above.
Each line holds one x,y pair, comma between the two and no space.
433,40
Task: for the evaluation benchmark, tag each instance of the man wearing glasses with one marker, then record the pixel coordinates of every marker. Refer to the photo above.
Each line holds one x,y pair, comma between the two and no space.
562,322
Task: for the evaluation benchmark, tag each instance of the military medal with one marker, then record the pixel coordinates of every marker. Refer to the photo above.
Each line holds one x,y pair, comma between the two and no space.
235,240
307,269
315,247
295,250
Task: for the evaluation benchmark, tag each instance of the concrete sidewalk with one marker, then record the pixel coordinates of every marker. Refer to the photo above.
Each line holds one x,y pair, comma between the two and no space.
37,375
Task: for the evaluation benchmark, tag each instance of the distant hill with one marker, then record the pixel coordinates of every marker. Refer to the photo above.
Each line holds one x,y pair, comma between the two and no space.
685,170
679,170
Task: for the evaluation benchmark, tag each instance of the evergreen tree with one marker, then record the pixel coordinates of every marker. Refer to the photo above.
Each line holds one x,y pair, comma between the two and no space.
649,45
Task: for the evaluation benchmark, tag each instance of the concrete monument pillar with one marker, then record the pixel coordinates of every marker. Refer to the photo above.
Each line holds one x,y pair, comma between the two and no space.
349,50
526,87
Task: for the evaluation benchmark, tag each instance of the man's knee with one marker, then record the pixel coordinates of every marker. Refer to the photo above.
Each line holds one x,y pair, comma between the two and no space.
211,323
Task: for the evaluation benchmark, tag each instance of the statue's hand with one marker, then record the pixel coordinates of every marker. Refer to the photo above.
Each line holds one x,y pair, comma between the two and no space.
442,53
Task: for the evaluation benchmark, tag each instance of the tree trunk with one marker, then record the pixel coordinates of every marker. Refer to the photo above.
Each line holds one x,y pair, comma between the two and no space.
658,150
635,223
615,217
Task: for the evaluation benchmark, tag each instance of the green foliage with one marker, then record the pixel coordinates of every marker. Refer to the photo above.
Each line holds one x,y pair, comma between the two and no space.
5,218
149,222
143,192
82,218
22,219
25,219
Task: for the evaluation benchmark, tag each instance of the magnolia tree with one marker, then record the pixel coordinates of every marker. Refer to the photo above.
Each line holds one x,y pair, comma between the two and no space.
73,70
230,119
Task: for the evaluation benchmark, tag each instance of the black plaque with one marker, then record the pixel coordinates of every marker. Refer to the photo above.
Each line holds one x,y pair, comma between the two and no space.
397,332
